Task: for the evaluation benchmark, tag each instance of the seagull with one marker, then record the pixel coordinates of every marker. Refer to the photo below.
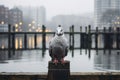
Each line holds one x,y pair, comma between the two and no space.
58,46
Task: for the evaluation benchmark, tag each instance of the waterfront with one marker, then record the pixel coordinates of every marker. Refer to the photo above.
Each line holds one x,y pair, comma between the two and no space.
34,61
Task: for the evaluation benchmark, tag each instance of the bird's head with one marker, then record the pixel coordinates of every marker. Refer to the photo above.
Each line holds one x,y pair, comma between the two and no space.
60,31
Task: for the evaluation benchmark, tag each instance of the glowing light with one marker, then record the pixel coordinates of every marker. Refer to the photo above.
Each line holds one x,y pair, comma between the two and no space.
20,23
16,30
16,25
2,22
29,24
3,47
33,22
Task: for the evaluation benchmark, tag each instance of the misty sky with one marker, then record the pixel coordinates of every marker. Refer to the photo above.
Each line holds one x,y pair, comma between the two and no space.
55,7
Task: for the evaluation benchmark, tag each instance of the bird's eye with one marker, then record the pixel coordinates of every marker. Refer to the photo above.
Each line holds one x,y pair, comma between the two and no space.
61,30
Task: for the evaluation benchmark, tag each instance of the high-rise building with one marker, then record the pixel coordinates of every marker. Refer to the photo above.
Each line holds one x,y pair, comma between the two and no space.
4,11
16,18
40,16
107,13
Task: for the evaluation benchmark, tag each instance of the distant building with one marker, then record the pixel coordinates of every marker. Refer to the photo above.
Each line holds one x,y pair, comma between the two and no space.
41,16
16,18
3,28
107,13
4,11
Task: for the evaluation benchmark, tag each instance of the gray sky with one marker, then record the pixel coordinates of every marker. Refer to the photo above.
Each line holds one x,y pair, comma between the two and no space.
55,7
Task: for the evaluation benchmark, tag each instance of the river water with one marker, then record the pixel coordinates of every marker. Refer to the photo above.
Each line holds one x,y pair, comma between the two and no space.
35,61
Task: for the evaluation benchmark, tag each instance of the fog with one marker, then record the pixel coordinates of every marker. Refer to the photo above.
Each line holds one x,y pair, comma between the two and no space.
55,7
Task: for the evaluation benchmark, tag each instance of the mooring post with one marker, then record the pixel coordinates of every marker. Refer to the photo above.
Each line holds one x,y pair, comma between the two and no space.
43,39
80,40
13,40
104,33
86,40
70,38
96,39
117,38
25,41
58,71
35,41
89,40
9,39
73,42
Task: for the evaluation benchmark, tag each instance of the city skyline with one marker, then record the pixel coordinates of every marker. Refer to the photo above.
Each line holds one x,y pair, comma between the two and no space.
55,7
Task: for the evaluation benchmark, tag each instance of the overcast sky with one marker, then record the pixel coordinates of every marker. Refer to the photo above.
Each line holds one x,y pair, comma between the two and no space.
55,7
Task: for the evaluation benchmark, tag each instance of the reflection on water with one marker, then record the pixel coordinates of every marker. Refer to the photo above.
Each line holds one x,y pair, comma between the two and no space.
19,41
107,60
37,61
33,61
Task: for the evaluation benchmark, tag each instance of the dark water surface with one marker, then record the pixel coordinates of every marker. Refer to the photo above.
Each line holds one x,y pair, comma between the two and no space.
35,61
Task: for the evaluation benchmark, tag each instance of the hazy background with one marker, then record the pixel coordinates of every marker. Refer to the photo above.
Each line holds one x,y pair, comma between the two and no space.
55,7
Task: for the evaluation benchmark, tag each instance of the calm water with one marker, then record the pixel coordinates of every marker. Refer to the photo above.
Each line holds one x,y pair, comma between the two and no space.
35,61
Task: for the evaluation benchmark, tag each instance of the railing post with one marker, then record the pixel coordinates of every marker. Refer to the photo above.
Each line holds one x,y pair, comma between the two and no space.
80,39
73,40
73,37
104,33
13,40
70,38
9,39
96,38
25,41
89,39
86,40
43,38
117,40
35,41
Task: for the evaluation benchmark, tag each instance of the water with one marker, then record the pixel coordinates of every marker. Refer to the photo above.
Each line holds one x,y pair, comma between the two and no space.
35,61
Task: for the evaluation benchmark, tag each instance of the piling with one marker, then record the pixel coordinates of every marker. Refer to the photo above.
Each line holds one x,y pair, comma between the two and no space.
96,38
13,40
117,40
70,45
9,39
43,39
89,41
86,40
104,31
73,42
58,71
25,41
80,40
35,41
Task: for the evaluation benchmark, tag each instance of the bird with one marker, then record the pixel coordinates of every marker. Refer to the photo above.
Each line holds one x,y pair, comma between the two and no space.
58,46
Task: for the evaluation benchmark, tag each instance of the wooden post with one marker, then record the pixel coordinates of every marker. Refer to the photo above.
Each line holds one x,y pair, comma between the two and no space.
73,37
117,40
89,40
58,71
13,40
35,41
25,41
9,40
86,42
104,33
70,37
96,38
43,40
73,41
80,40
